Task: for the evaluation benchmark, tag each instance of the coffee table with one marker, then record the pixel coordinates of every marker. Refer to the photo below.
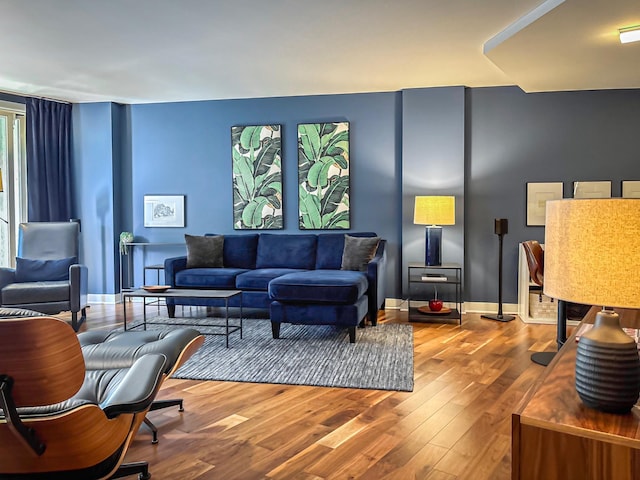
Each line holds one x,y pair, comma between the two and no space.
187,293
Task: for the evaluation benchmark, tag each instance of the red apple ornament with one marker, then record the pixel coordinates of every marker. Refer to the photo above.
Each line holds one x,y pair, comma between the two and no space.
435,305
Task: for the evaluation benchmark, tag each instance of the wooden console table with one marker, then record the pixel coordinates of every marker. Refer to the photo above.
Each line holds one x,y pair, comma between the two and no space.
554,436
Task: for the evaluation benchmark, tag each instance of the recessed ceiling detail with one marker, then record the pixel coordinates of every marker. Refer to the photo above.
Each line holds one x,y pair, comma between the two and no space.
573,46
164,51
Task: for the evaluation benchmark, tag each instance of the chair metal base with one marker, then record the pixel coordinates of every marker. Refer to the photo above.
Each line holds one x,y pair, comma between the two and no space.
126,469
157,405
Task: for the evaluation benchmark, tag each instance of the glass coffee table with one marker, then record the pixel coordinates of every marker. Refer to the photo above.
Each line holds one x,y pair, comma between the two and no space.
226,295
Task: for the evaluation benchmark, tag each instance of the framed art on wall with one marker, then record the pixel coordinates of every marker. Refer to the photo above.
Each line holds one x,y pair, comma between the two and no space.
164,210
257,177
592,189
630,189
323,176
538,194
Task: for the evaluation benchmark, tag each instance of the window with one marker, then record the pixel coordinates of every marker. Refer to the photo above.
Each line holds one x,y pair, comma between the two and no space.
13,162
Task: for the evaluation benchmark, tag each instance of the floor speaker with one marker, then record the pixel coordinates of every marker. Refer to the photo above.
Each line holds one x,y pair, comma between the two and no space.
501,227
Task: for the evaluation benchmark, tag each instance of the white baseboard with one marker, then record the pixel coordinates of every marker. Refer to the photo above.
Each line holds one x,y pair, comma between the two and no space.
111,298
467,307
485,307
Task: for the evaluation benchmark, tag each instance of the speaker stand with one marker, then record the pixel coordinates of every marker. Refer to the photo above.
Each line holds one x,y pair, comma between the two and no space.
499,317
544,358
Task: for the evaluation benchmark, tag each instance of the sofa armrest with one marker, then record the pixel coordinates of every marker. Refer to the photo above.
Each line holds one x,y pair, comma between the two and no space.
78,286
376,272
138,388
173,266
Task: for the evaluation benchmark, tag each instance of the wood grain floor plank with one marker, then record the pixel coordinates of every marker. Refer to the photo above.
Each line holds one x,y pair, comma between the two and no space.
455,425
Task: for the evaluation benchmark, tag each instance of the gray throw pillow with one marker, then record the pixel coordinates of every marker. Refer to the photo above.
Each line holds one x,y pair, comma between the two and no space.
358,251
204,252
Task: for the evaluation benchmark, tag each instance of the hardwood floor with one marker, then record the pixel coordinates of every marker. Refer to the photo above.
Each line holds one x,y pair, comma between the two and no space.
456,424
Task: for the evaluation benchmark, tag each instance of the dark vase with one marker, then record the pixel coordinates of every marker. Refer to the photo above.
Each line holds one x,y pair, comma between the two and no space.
608,366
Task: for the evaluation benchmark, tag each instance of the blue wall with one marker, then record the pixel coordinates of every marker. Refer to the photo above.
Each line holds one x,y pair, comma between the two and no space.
185,148
94,184
514,138
482,145
432,164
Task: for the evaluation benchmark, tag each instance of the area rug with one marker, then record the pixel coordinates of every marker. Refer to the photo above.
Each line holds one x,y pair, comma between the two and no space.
319,355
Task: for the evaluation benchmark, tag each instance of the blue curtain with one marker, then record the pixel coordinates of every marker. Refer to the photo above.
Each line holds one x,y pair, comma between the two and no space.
48,160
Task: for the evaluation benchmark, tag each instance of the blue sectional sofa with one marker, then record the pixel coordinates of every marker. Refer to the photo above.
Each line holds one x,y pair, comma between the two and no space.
298,277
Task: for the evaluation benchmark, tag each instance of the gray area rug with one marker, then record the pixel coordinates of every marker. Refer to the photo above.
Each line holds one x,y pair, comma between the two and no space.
319,355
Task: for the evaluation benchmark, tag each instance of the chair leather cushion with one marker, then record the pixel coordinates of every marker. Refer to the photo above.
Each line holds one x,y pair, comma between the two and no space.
35,292
19,312
34,270
116,349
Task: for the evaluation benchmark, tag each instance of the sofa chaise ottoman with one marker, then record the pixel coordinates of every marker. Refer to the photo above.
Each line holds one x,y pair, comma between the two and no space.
321,297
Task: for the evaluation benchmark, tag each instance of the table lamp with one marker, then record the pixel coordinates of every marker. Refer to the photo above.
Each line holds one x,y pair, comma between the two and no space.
592,256
434,211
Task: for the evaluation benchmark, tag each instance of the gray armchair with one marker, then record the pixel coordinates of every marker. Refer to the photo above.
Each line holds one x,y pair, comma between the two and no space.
47,277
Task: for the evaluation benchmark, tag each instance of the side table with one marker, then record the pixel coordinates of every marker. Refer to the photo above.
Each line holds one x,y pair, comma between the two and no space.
423,281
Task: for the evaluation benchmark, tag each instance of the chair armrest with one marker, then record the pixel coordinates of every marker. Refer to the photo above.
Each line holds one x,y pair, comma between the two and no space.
7,276
78,286
173,266
138,387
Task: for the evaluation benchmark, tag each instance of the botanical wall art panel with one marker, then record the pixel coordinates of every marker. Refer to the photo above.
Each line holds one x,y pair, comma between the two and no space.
323,175
257,177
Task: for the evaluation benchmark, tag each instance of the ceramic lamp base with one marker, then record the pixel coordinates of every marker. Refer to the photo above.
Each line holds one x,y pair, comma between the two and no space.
608,366
433,246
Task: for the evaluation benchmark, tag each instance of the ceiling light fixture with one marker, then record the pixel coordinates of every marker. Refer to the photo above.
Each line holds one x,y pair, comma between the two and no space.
630,34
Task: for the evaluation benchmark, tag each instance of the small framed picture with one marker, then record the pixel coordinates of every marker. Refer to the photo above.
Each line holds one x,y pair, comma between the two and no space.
538,194
630,189
592,189
164,210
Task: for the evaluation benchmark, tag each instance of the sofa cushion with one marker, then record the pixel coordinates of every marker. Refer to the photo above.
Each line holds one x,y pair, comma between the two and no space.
208,277
286,251
259,279
205,251
35,292
331,247
33,270
319,286
240,251
358,252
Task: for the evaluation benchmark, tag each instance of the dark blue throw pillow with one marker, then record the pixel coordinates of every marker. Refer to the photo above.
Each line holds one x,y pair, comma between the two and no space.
31,270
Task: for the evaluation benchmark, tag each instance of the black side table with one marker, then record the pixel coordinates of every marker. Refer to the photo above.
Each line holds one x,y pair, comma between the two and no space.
423,281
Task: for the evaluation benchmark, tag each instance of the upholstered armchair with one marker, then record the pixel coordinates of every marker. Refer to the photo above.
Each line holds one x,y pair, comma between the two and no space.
47,277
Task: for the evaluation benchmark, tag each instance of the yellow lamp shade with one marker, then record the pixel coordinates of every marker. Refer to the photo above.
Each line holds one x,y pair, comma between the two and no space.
592,251
435,210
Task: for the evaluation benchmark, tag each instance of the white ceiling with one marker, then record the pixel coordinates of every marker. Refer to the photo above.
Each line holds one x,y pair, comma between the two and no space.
139,51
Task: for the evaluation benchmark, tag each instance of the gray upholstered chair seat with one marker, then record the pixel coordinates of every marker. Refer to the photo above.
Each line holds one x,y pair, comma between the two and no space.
24,293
